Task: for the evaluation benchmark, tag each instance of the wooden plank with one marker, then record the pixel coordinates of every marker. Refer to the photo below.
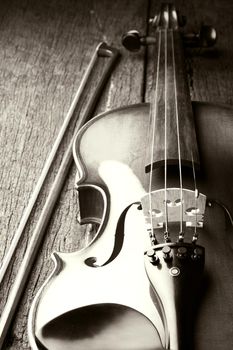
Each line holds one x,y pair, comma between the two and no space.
45,48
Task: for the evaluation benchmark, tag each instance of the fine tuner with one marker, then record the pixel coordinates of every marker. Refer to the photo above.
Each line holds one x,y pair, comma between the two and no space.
207,36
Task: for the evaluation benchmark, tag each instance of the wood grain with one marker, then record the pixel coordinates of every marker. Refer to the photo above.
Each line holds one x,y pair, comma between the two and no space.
45,48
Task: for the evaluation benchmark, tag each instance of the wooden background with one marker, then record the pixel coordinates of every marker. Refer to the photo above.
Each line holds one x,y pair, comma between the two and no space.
45,47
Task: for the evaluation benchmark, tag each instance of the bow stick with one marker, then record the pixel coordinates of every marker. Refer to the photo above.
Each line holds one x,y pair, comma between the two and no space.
47,166
102,50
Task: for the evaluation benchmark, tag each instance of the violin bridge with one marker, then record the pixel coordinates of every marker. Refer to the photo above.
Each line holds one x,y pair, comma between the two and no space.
174,205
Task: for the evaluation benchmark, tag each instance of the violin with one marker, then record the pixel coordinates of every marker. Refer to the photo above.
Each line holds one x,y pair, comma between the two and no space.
156,178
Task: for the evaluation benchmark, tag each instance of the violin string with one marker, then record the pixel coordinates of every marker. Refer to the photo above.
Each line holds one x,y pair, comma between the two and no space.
181,235
165,141
154,116
196,193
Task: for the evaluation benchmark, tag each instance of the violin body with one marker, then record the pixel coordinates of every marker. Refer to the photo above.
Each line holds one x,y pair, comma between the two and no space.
103,297
157,180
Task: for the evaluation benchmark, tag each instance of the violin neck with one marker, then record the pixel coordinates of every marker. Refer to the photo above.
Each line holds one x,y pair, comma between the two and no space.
172,131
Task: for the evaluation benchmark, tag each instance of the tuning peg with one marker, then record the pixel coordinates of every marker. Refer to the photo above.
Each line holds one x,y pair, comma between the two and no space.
205,38
132,40
208,36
